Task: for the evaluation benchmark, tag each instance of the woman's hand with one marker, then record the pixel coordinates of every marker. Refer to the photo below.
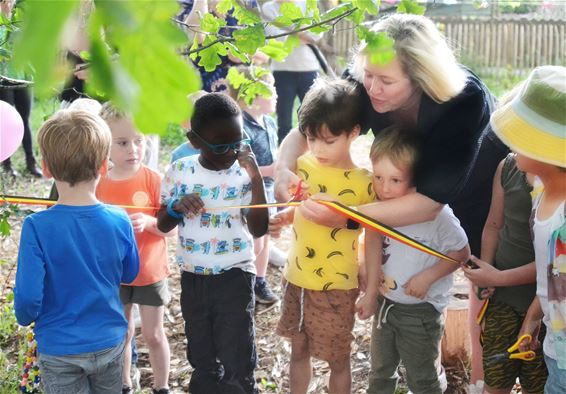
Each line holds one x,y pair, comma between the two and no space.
321,214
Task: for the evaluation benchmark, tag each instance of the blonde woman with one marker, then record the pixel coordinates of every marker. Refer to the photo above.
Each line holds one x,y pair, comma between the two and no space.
423,90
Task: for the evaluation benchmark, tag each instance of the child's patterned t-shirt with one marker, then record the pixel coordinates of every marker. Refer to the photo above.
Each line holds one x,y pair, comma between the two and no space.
218,239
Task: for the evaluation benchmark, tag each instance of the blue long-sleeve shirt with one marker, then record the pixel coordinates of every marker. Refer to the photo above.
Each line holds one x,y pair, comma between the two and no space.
71,262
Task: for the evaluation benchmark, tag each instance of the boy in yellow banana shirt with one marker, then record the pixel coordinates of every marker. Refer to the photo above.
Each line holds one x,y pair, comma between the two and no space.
319,303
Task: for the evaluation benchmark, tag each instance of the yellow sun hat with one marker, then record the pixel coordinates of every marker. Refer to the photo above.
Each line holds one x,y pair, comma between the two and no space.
534,122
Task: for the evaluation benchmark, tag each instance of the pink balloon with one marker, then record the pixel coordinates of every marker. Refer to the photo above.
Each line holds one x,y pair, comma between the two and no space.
11,130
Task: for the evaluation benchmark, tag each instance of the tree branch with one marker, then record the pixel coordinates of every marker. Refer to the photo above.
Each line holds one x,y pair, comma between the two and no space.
332,21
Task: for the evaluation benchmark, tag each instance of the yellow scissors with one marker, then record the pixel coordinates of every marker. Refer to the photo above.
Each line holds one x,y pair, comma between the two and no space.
512,354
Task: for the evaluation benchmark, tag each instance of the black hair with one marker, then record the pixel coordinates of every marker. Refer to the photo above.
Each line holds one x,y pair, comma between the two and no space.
213,107
334,103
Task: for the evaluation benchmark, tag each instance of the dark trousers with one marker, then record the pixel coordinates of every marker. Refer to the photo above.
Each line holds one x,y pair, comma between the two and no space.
290,84
21,99
219,325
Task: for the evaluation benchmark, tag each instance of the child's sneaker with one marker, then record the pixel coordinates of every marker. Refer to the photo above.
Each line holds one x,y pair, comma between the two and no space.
164,390
263,294
127,390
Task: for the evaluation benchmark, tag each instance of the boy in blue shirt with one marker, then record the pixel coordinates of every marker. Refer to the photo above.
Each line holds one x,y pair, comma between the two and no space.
71,262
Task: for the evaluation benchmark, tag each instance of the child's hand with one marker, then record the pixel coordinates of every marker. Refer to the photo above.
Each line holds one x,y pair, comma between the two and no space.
531,327
366,306
486,292
277,222
486,275
246,159
140,221
191,204
418,285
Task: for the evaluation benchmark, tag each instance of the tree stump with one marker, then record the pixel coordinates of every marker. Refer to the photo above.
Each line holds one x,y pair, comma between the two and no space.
455,345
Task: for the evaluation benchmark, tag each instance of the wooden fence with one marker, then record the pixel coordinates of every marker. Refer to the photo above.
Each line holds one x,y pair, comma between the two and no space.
488,45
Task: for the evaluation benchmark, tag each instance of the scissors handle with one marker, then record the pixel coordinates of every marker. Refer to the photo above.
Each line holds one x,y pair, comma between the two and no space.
525,356
522,338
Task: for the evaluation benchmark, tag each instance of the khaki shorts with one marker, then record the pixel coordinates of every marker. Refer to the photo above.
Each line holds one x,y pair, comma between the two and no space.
325,320
156,294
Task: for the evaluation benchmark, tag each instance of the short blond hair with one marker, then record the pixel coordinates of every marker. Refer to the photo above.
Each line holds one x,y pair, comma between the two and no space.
398,146
422,51
74,145
110,112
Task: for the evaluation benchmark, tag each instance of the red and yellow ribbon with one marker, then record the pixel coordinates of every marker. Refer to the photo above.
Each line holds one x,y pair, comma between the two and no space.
341,209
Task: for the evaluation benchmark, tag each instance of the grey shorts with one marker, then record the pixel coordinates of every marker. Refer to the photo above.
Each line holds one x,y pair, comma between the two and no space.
156,294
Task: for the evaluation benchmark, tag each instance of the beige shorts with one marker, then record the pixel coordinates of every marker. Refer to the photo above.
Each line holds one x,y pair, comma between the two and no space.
156,294
325,320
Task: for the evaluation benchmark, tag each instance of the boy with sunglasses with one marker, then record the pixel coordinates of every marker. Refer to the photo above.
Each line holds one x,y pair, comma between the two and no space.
215,248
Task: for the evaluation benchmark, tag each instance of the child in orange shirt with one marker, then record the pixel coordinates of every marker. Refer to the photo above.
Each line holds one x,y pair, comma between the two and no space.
129,182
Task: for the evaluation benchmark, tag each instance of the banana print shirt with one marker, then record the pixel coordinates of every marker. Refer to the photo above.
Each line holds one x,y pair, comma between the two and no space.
323,258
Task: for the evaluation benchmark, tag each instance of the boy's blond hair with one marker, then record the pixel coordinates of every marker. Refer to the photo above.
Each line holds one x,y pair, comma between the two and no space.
397,146
110,112
74,145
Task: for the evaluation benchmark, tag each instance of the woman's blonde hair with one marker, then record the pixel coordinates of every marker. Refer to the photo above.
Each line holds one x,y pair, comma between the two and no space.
422,51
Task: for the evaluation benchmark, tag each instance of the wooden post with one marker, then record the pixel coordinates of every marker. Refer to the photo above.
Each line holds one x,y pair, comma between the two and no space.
455,345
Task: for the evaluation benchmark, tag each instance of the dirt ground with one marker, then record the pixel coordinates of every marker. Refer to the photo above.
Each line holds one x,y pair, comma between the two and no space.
274,352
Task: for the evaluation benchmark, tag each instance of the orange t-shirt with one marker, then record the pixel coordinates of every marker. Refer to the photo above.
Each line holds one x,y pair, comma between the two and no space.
140,190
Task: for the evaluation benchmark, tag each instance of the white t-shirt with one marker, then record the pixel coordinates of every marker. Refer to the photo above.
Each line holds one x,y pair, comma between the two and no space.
401,262
217,240
542,230
302,57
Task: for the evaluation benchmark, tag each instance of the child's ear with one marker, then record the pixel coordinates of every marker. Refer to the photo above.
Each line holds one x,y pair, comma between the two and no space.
355,132
46,171
194,141
103,168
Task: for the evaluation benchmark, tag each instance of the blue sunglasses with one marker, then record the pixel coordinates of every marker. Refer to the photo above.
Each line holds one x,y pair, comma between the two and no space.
220,149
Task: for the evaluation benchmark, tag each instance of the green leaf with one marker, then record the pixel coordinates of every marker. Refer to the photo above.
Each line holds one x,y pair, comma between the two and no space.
38,43
312,9
380,47
275,49
10,297
236,78
148,58
245,16
292,42
369,6
283,21
224,6
320,29
291,11
235,51
210,57
357,17
410,7
361,32
250,38
336,11
4,227
211,24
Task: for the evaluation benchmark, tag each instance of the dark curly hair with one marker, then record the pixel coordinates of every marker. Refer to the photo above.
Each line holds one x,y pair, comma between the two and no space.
213,107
